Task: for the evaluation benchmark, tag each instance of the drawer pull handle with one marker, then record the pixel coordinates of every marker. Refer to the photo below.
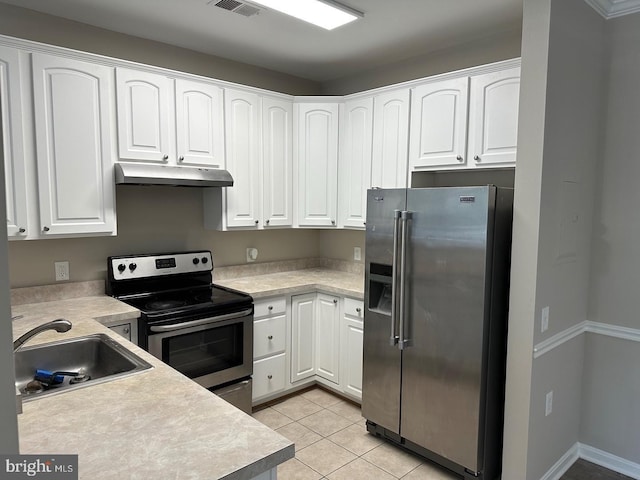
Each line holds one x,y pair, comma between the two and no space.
270,337
270,307
358,310
269,377
335,301
126,330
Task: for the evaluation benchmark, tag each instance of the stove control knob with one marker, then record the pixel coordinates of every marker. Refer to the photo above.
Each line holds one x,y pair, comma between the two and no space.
121,267
205,260
132,266
196,261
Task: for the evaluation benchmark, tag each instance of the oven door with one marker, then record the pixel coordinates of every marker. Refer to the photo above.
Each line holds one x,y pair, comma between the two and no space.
211,351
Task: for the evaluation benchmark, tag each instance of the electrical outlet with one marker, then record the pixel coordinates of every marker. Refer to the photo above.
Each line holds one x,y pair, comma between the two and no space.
62,271
357,253
548,404
545,319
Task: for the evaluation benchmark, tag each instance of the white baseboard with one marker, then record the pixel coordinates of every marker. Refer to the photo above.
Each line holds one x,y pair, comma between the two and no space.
562,465
593,455
610,461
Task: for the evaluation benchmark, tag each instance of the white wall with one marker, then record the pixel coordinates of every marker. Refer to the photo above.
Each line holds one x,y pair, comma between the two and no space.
610,419
558,148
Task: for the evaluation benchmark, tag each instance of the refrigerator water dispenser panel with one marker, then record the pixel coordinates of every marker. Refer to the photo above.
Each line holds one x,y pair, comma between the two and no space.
380,290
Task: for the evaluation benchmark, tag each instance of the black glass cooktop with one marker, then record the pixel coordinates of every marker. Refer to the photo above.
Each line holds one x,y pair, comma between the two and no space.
179,302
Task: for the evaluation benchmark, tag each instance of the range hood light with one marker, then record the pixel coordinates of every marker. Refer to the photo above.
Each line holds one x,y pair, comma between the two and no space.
323,13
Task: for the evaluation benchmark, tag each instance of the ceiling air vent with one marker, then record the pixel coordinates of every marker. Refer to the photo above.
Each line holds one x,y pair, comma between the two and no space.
236,7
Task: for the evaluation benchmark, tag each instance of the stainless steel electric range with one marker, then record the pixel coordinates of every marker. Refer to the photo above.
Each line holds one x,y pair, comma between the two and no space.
204,331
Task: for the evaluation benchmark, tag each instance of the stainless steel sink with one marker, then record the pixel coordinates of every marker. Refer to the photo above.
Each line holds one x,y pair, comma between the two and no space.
97,358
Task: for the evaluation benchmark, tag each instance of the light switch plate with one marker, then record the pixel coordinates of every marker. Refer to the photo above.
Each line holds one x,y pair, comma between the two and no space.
548,405
357,253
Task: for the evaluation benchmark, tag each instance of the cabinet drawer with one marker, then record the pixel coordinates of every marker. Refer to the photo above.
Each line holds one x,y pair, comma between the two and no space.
270,307
269,336
354,308
269,375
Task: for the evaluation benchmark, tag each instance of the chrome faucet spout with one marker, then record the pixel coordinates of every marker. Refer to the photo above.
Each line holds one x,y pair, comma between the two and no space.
60,325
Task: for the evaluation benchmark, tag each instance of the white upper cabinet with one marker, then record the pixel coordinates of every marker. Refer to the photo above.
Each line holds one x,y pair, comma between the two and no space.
277,162
145,116
493,118
73,120
243,200
316,150
12,142
199,124
354,172
439,124
166,121
390,139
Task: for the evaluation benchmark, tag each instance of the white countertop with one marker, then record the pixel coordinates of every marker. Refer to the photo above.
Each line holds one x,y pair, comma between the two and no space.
155,424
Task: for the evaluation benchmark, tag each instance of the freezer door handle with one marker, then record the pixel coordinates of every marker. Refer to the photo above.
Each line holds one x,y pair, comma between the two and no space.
405,220
393,339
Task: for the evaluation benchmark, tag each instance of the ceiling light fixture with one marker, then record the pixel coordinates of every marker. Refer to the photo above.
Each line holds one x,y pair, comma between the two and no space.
323,13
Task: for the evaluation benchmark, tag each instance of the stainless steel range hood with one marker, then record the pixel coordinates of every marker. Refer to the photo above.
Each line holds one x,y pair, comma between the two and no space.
144,174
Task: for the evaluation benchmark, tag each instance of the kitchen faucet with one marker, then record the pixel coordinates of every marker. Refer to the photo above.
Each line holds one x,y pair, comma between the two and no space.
60,325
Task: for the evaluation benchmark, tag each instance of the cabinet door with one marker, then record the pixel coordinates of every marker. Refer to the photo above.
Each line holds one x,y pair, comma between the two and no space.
199,124
12,142
352,335
328,337
390,140
438,125
493,118
303,341
145,116
355,161
243,160
277,161
72,106
317,163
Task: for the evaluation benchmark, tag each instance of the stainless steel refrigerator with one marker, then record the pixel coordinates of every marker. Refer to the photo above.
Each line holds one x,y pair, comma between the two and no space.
436,300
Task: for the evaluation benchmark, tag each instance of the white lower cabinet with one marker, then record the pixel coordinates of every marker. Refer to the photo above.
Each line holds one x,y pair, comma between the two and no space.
327,338
269,348
351,341
303,336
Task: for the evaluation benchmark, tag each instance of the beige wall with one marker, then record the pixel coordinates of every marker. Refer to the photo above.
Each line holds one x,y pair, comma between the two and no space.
40,27
150,220
492,48
610,418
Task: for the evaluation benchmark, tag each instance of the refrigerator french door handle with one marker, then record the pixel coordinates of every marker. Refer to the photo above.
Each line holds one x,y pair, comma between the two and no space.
405,219
393,339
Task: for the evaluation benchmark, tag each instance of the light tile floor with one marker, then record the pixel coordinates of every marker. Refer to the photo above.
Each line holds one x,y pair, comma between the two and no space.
332,443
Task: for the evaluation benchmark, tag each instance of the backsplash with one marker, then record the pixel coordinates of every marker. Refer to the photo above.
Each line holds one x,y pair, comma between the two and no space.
92,288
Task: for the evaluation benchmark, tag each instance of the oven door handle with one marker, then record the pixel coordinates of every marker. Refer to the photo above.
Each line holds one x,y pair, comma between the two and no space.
202,321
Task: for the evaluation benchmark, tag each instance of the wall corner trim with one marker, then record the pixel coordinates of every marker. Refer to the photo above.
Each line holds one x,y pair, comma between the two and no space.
614,8
586,326
563,464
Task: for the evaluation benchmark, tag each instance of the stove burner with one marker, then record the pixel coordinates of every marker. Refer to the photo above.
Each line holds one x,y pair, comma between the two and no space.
165,304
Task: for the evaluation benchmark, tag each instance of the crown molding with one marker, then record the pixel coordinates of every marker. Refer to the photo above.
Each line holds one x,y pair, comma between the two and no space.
614,8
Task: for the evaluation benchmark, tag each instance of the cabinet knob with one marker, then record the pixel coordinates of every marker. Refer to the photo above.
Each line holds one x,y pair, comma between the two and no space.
459,158
476,158
267,222
181,158
126,330
269,376
335,301
270,307
21,230
333,222
270,337
45,229
256,222
358,310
